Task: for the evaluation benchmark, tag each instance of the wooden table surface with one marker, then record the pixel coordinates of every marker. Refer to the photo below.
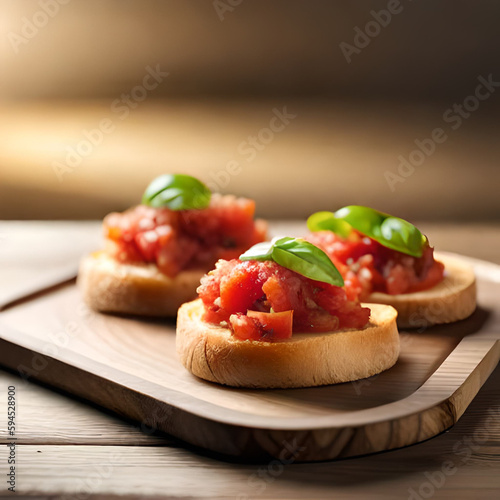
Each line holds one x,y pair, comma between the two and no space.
68,448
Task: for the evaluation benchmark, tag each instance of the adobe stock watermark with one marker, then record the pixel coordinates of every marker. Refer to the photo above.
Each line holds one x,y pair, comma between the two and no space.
57,340
120,110
258,482
250,148
223,6
405,341
364,36
86,487
454,118
31,26
462,454
420,320
431,314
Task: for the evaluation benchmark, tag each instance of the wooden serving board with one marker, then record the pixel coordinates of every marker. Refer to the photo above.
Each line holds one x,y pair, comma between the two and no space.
129,366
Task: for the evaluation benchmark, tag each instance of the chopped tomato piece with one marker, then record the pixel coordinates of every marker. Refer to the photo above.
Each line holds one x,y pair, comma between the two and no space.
434,276
244,327
331,298
282,296
241,289
275,325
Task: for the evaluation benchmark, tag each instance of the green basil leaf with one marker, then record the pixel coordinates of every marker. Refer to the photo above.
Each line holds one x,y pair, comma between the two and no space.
177,192
401,234
297,255
391,232
326,221
260,251
364,219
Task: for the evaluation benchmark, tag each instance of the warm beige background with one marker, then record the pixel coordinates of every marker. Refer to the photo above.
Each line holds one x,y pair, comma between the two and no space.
100,47
226,77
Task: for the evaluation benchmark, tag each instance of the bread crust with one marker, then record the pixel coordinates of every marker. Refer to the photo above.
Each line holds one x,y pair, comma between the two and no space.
140,289
451,300
305,360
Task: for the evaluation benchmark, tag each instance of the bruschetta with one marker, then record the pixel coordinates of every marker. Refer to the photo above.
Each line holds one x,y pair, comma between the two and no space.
156,252
387,260
278,317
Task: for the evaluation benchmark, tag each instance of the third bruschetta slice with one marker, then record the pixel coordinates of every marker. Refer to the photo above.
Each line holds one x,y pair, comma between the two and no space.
386,259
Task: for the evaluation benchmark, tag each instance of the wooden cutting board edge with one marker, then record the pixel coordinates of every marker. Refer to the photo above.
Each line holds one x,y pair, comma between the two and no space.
231,433
462,362
321,442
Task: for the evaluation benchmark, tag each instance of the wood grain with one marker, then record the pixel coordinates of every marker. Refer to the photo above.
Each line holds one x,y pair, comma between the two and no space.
180,473
129,366
35,256
46,416
173,473
177,473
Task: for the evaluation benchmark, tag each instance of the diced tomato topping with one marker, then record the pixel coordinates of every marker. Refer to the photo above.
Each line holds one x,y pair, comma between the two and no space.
367,266
276,301
177,240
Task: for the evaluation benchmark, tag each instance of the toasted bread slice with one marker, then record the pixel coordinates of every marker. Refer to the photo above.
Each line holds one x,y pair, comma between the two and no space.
306,359
110,286
452,299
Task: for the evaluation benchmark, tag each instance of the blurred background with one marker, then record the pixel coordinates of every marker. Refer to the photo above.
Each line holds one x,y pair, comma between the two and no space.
302,106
